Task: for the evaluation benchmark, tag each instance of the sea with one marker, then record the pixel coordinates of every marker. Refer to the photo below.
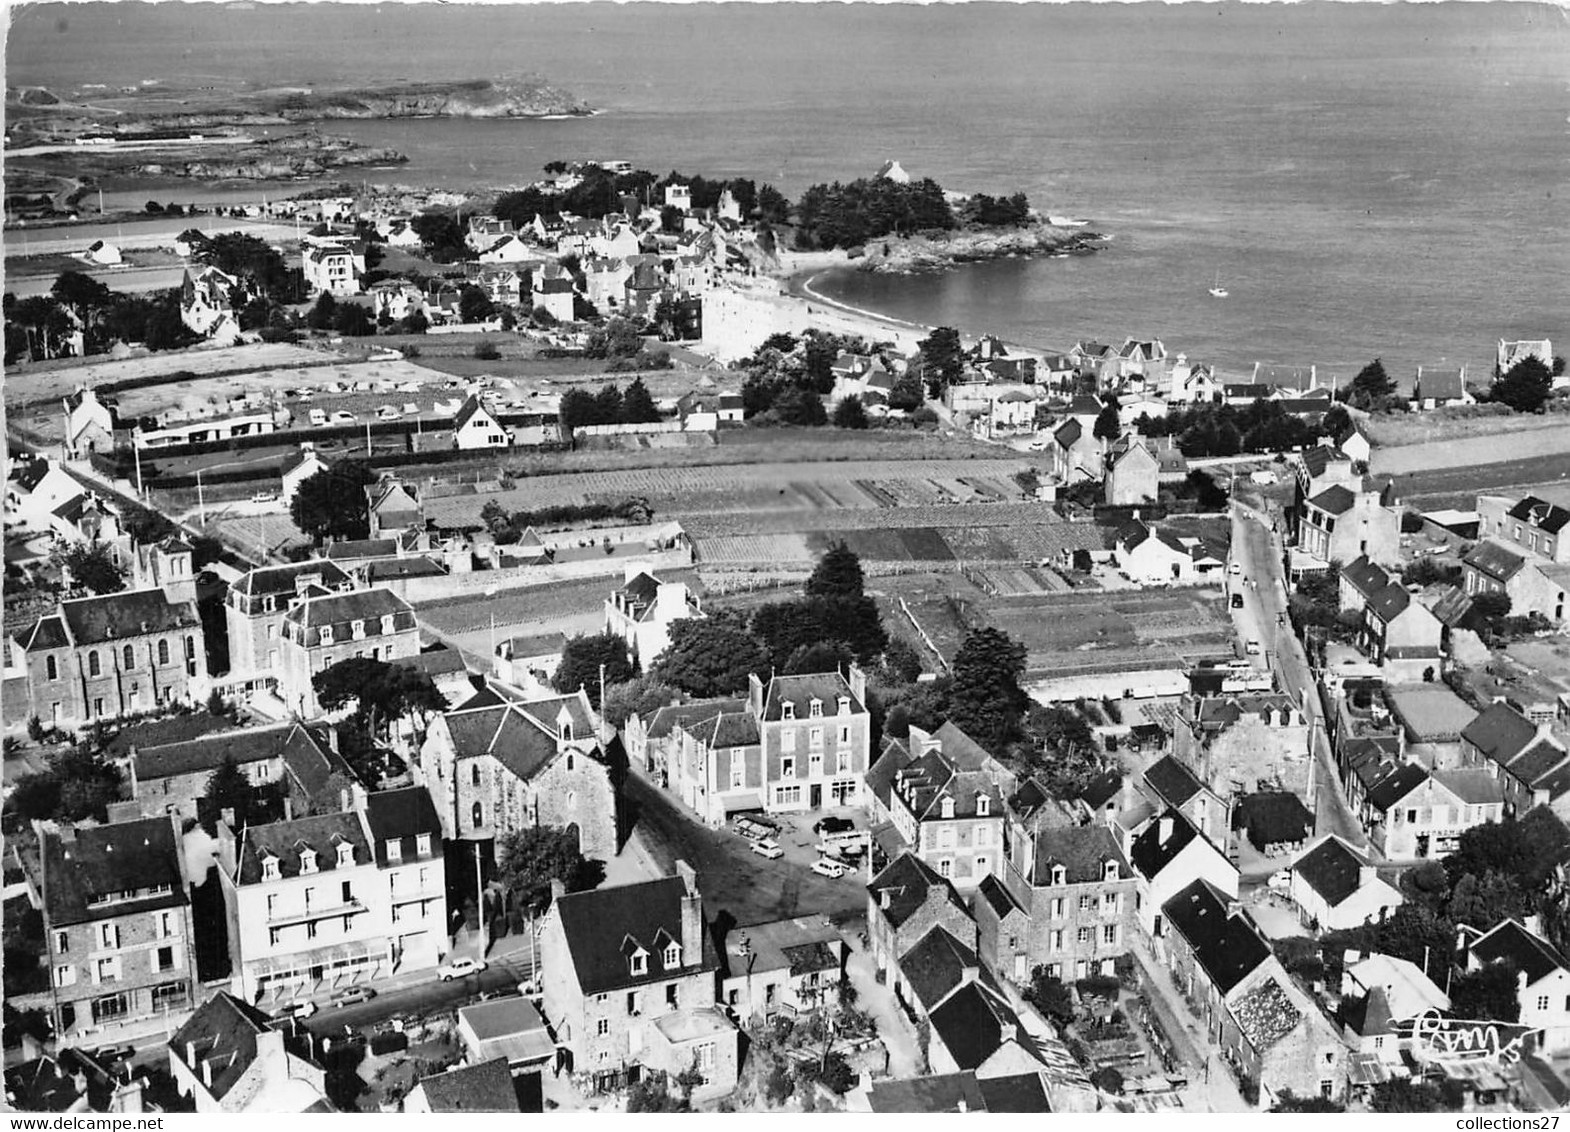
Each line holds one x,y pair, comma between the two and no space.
1364,180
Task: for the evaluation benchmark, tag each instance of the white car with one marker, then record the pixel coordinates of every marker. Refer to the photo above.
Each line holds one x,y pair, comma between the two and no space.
387,413
827,868
341,418
1235,569
767,847
1037,446
1280,882
1252,648
265,497
301,1009
458,968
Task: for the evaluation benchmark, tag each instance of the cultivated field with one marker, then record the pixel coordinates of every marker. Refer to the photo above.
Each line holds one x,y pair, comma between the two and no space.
1394,430
1549,437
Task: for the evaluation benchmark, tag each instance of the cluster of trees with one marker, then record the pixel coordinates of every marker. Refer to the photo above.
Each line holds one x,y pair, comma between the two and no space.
381,694
1227,430
352,320
996,212
940,360
91,565
611,405
1526,386
600,193
847,215
43,326
787,378
331,505
77,783
507,527
442,237
258,266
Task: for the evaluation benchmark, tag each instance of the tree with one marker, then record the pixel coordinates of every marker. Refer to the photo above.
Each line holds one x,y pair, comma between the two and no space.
323,312
907,392
1371,388
382,692
820,656
1485,900
1108,424
607,404
229,789
585,658
331,504
474,305
800,406
710,657
1287,1101
1488,994
902,661
618,338
1525,386
1402,1094
637,406
91,565
1335,422
848,413
837,574
642,696
1493,847
529,859
923,705
1488,612
986,701
1048,995
942,359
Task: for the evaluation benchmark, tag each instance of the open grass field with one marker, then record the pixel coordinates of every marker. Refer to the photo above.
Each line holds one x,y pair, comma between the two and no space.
1459,486
1548,437
1394,430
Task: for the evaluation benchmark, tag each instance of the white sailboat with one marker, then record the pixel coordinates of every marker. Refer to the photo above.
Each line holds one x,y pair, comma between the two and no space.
1218,291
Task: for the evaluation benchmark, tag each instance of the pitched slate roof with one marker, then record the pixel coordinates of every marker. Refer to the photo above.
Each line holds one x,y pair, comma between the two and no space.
1332,869
603,928
106,860
223,1029
1082,850
47,633
1364,576
880,776
360,605
401,816
1149,853
995,894
1229,948
937,965
1474,787
1068,433
208,752
1390,789
486,1087
1173,782
1334,500
906,879
1102,789
1501,733
275,580
1528,952
284,840
116,617
970,1024
470,409
945,1092
1018,1092
1540,513
801,690
1495,559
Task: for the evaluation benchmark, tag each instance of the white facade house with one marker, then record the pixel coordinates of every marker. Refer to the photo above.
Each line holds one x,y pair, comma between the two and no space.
1543,982
1336,887
643,611
1170,855
475,427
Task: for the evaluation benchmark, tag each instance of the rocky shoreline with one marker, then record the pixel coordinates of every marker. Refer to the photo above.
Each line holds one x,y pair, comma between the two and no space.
940,250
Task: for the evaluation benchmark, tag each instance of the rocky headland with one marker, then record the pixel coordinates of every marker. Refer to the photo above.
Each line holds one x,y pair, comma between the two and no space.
934,251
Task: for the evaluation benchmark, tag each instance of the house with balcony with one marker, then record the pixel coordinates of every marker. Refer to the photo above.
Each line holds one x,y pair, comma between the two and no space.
633,984
331,266
318,632
643,610
816,734
1264,1028
118,935
497,764
946,798
308,907
406,843
230,1057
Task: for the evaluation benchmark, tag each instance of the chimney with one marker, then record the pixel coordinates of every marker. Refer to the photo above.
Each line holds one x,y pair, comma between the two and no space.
1366,875
190,1054
1234,909
558,890
207,1072
1164,833
691,915
961,1106
344,797
969,974
1520,981
128,1097
885,897
1532,924
1006,1032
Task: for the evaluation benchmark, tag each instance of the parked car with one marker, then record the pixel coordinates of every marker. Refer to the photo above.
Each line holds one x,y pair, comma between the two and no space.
1235,569
110,1055
767,847
1252,648
531,989
317,417
351,995
303,1009
459,968
387,413
1281,881
833,825
342,418
825,867
1237,601
265,497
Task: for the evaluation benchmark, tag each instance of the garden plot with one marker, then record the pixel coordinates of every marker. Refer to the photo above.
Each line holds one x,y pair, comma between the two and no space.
755,550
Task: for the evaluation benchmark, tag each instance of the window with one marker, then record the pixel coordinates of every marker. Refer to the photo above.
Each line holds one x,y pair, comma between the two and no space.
130,656
815,708
844,705
357,629
815,738
163,651
982,866
51,669
787,768
1109,934
65,975
787,710
842,760
945,867
269,868
394,850
787,795
787,740
165,924
62,942
1082,935
108,970
639,962
1327,1088
307,861
108,935
602,1027
273,936
1109,902
347,892
1110,871
163,959
1059,875
1542,1002
983,835
632,1003
738,771
948,807
327,635
671,996
109,1007
310,929
422,845
983,805
92,662
1057,908
706,1056
1057,939
672,956
345,856
478,815
387,623
1085,903
844,734
98,707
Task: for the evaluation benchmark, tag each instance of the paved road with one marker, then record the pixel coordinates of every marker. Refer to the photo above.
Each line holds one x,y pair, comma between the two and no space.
751,888
427,997
1258,549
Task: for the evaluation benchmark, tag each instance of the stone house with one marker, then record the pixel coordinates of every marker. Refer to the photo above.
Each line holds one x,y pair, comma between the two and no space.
1274,822
1394,629
114,655
816,735
170,778
1170,783
89,424
1237,742
1342,523
406,843
119,939
496,765
487,1086
716,765
904,902
393,508
1438,388
945,796
318,632
791,966
1131,472
230,1057
255,606
1167,857
1532,584
633,983
1530,523
1528,761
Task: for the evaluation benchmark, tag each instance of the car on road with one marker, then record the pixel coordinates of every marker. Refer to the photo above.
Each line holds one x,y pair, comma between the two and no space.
531,989
265,497
767,847
351,995
1280,882
833,825
459,968
109,1055
1235,569
1037,445
302,1009
1237,601
825,867
1252,648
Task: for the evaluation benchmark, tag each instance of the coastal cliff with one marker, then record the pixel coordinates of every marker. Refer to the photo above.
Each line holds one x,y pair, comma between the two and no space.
938,250
482,98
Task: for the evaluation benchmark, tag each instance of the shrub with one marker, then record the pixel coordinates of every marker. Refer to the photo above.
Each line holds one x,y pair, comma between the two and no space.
1108,1080
487,352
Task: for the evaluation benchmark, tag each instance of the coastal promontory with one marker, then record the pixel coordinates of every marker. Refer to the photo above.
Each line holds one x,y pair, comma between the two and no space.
936,250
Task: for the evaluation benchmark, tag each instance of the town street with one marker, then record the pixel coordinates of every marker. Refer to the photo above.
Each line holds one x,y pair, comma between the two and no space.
1258,550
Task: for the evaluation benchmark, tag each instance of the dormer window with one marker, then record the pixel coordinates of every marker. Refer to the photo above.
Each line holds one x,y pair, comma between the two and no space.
638,962
1109,871
394,850
948,807
983,805
815,709
358,629
1059,875
788,710
307,861
387,623
672,956
327,634
269,868
422,845
345,854
844,705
